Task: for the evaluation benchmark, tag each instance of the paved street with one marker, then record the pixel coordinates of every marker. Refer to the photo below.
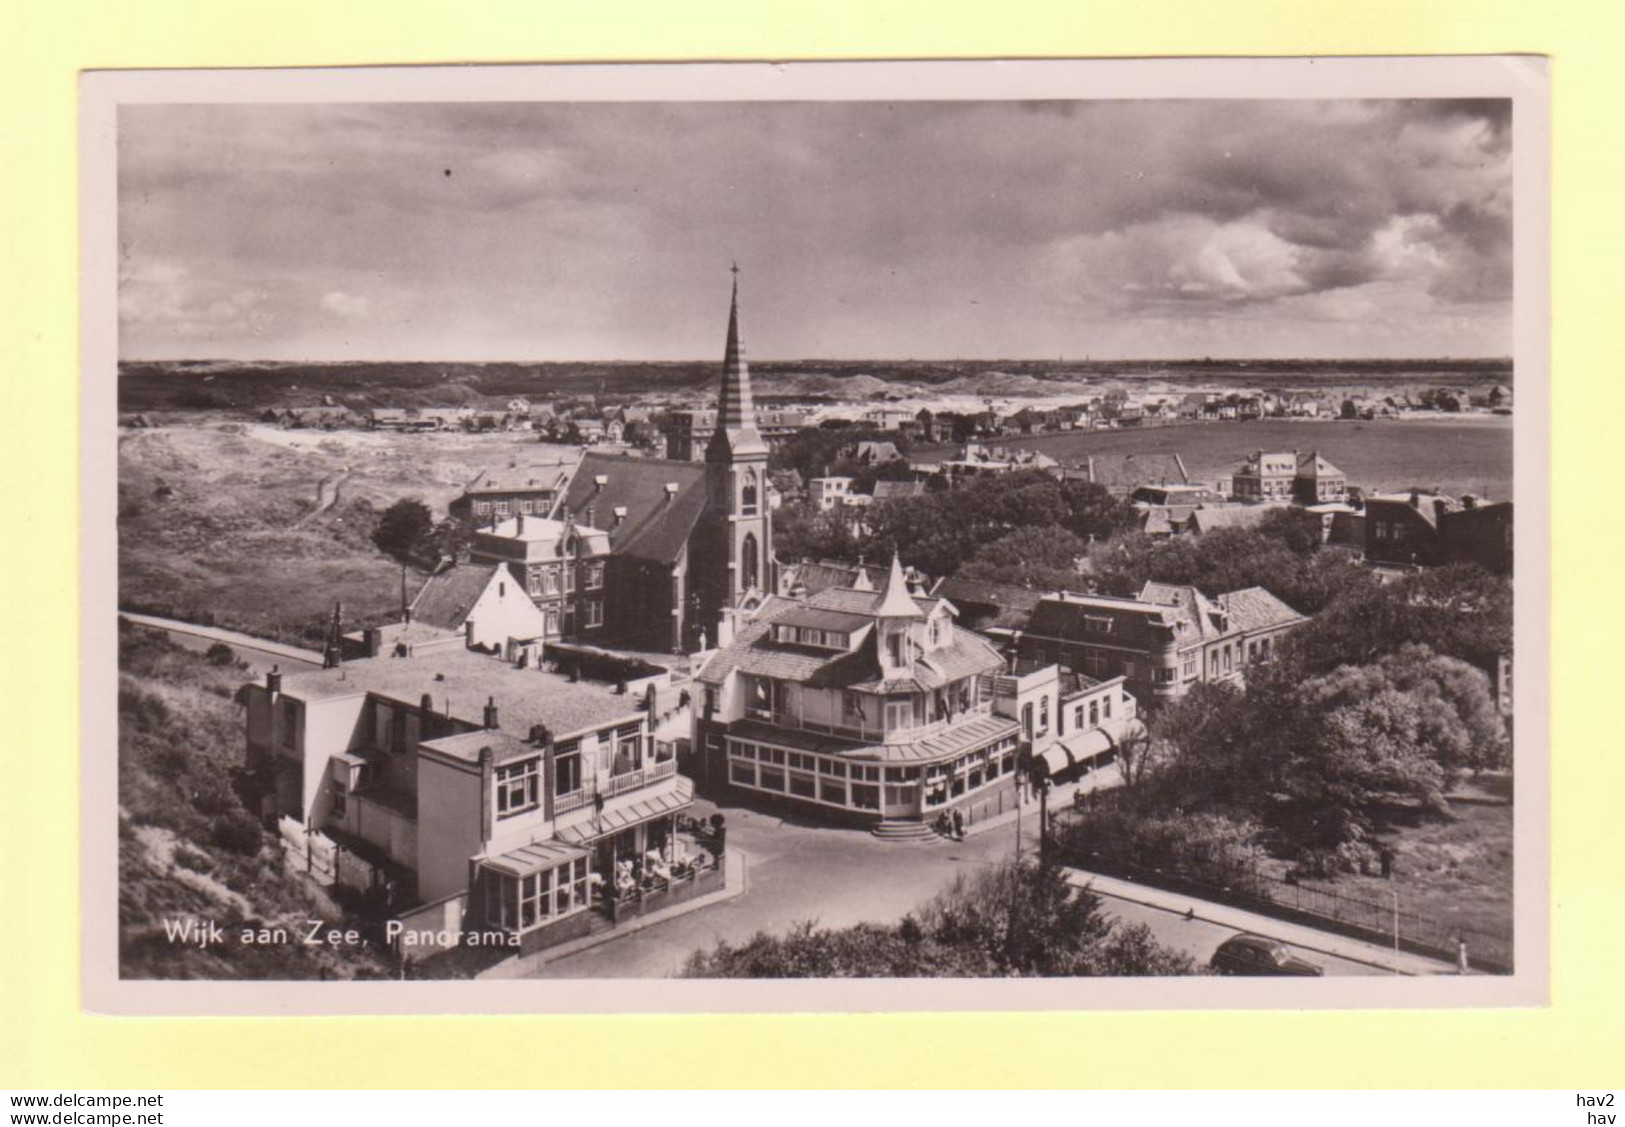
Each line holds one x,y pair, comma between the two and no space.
800,871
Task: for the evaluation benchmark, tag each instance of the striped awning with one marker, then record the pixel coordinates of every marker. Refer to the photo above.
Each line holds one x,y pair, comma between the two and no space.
631,811
1082,748
533,858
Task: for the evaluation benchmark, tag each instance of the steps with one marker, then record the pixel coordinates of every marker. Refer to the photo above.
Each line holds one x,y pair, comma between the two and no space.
905,831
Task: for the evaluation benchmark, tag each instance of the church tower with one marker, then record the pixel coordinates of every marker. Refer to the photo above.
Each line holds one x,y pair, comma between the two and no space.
736,466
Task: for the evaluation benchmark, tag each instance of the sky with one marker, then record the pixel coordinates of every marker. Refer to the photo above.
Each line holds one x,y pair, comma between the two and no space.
862,230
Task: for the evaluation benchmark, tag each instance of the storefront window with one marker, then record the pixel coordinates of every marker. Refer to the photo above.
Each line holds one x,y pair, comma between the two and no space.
865,797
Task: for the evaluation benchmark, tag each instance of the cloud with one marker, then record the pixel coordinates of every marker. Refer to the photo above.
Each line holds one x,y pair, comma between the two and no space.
341,304
948,229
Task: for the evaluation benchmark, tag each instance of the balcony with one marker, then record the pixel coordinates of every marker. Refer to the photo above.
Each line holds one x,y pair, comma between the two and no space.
635,780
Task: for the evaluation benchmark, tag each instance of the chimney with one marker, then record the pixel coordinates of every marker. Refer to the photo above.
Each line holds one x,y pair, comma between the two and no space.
373,641
491,712
273,682
620,515
598,484
1416,499
1469,501
520,527
539,734
671,491
1440,508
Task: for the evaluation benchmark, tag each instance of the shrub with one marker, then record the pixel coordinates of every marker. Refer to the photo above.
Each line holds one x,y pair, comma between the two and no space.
220,654
238,832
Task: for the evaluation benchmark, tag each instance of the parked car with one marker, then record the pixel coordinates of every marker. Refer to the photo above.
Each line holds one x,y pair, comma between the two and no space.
1256,954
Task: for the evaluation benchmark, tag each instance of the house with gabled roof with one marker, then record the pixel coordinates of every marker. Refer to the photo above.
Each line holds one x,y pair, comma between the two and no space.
1163,640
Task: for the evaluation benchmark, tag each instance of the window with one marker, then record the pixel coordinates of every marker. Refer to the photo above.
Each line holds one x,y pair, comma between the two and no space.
483,508
747,495
902,774
1094,713
936,632
1163,676
1043,714
803,786
501,508
340,805
743,751
290,721
628,749
595,612
535,582
1227,666
1106,707
595,577
742,773
567,768
832,791
1097,624
865,797
758,697
518,788
899,713
1077,718
749,563
832,767
771,779
852,705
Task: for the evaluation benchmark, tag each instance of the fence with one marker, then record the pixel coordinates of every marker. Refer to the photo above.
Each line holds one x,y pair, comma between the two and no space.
1068,840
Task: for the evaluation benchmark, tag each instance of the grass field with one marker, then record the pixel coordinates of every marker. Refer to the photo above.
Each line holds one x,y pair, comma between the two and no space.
1473,456
1457,872
262,529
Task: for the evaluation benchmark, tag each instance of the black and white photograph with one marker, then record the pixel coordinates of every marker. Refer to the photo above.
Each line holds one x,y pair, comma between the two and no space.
856,536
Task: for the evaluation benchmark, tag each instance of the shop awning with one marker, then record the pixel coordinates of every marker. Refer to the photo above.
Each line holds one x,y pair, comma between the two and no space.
1083,748
533,858
622,813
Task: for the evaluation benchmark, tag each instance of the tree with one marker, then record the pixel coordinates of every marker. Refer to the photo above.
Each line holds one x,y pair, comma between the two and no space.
1018,919
1031,555
404,530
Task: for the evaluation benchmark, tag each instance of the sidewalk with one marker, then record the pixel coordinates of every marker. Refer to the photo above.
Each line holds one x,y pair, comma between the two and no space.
523,966
1298,935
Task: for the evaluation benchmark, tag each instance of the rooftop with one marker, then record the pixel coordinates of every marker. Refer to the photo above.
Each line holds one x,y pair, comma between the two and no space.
460,682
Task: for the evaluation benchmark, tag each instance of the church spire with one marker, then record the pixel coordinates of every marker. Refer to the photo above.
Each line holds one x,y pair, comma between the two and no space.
736,431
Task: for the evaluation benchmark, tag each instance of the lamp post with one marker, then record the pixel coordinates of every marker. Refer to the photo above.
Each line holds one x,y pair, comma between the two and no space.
1394,892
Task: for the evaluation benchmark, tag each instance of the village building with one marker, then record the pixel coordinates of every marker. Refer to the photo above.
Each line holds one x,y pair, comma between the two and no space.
1420,529
1122,474
994,609
531,488
472,793
561,566
863,706
825,493
689,433
1162,641
1267,477
809,577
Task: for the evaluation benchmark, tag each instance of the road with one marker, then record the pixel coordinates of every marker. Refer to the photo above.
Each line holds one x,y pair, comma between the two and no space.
259,654
838,877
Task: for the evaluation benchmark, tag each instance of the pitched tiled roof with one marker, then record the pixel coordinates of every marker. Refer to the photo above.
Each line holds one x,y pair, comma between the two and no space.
1313,465
821,575
889,490
1010,606
1125,471
1235,516
450,594
658,524
1188,604
1253,608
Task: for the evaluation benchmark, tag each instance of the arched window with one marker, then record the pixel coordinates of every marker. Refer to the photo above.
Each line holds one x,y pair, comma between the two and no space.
747,495
749,566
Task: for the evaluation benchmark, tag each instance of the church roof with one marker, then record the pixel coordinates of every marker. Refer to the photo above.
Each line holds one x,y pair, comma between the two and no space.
658,521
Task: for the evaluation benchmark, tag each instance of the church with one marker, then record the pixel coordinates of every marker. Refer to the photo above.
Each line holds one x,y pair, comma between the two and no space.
689,542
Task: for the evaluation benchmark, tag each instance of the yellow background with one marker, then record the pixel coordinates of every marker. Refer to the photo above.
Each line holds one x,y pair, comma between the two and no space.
45,1041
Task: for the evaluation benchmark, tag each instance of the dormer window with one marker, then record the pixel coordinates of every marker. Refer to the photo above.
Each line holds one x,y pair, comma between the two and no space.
1097,624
